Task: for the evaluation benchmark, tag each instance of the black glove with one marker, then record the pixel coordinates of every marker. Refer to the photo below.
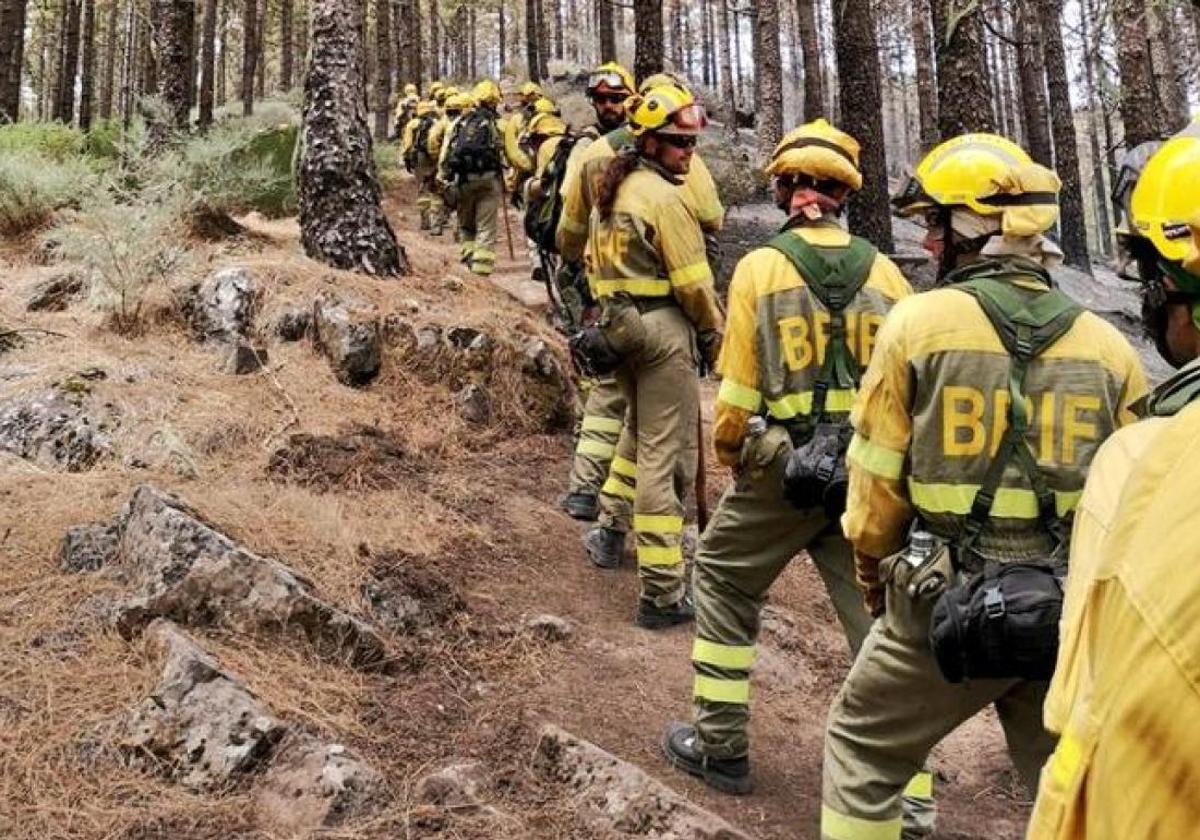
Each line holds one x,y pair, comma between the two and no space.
709,344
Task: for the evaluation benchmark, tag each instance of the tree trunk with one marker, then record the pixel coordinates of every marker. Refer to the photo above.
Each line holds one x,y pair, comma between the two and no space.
383,67
70,63
12,57
172,23
810,44
531,47
770,76
222,92
964,97
558,29
249,54
286,49
260,52
926,91
502,33
1066,154
87,89
208,62
342,223
1100,193
129,68
1171,95
1137,86
862,117
728,94
110,61
435,22
1032,69
608,35
543,40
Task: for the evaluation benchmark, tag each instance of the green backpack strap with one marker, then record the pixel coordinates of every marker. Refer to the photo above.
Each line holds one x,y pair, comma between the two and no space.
835,276
1028,321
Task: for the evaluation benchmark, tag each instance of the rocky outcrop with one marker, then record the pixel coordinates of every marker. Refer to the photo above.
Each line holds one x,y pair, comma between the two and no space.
459,786
313,785
617,797
222,307
55,293
54,429
350,338
200,726
184,569
86,548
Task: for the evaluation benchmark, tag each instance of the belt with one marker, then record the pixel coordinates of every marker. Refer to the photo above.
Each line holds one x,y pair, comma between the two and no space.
649,304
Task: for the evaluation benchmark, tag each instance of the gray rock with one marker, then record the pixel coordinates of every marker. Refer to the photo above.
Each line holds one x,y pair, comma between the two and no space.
312,785
201,726
55,293
617,797
540,360
243,359
457,785
550,628
293,324
223,306
452,284
86,548
350,339
399,332
462,337
53,429
429,338
184,569
474,404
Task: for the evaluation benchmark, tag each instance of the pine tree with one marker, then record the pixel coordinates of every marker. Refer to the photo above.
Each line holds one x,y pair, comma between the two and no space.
964,96
770,78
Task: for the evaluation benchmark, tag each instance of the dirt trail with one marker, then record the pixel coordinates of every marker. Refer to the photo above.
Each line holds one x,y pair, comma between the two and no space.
472,519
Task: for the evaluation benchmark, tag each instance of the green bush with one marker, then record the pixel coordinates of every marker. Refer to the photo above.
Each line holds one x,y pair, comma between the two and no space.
105,139
235,169
53,141
33,185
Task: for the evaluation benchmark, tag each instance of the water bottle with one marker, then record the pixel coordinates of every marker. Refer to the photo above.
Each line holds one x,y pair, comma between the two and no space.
756,426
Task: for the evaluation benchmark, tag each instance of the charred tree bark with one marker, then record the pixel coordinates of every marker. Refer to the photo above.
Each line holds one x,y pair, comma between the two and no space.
1066,152
287,55
862,117
814,86
1173,109
926,88
129,68
770,76
502,34
1032,70
249,54
260,52
342,223
383,67
532,64
110,62
964,96
648,37
435,65
606,31
208,61
1137,84
728,91
172,23
87,87
12,57
70,63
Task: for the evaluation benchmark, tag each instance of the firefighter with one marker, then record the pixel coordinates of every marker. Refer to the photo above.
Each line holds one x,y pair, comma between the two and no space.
1124,695
406,109
778,360
422,163
659,312
471,161
441,201
519,161
983,406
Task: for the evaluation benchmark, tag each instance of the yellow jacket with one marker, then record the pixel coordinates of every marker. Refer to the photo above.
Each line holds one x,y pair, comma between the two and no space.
776,334
651,246
931,412
584,170
1126,692
513,125
545,154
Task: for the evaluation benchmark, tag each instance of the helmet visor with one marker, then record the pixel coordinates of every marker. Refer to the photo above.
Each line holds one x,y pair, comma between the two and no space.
607,78
690,119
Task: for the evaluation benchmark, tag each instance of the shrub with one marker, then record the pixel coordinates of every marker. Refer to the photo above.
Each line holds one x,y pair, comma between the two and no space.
33,186
52,141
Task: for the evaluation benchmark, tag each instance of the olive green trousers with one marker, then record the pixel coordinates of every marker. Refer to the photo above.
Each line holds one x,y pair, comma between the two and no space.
603,416
478,213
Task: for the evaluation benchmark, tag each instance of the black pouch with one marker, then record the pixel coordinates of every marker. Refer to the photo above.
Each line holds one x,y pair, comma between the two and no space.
815,475
592,352
1000,624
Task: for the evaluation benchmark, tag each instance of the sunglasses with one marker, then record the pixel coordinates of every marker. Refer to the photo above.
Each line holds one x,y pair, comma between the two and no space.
609,98
680,141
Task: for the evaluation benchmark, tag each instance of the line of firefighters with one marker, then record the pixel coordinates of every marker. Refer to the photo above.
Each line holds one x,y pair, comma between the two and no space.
967,468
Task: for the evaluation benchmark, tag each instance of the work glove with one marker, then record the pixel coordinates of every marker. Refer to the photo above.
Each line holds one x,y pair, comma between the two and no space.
709,344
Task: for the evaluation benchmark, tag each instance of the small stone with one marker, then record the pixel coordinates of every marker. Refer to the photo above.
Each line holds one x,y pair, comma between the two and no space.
350,339
311,786
462,337
429,338
54,428
539,360
244,359
474,404
413,306
452,284
222,307
456,786
399,332
550,628
86,548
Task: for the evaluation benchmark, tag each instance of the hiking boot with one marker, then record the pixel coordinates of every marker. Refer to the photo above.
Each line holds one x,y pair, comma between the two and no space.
435,229
605,547
728,775
652,617
424,221
539,276
582,506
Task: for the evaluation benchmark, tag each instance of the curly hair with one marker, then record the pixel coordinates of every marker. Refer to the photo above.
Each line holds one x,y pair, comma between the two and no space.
615,173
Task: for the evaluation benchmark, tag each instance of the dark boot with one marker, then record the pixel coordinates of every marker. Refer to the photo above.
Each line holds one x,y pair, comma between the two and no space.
582,506
424,220
728,775
651,617
605,547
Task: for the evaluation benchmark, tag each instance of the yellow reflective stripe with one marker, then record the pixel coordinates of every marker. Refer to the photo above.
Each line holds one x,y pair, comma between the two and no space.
793,405
636,286
689,274
484,254
593,423
883,462
721,691
620,489
1010,503
739,396
659,555
920,786
734,657
1064,762
657,523
624,467
571,226
835,826
596,448
710,213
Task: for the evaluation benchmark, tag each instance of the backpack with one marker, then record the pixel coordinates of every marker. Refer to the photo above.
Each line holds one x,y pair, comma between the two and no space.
420,138
474,148
542,213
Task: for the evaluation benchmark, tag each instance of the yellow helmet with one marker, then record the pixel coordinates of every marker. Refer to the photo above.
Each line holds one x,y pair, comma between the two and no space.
1166,200
613,77
529,89
546,106
960,172
425,107
459,102
443,93
487,92
667,109
818,150
546,125
1191,260
410,89
660,79
435,86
